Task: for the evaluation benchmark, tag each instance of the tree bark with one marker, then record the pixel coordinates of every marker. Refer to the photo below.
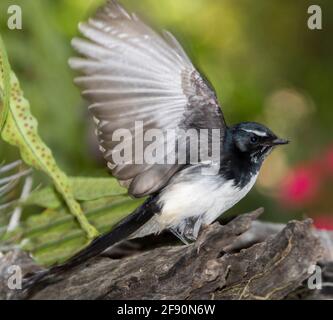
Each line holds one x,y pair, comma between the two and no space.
244,259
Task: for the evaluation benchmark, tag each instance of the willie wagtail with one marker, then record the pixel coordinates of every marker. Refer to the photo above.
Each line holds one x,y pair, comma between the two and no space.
131,73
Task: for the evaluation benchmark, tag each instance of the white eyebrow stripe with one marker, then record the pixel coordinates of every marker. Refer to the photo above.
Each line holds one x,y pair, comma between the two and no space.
256,132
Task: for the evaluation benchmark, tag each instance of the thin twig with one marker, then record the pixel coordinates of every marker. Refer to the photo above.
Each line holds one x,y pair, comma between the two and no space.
8,187
15,176
7,205
16,216
10,166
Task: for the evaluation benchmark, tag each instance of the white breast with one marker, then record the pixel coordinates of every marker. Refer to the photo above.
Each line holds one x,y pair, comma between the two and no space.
206,196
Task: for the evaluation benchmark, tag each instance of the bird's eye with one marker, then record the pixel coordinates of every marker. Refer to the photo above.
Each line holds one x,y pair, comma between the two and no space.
254,139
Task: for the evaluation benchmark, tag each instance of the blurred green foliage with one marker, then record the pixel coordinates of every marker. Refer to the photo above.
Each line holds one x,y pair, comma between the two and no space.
264,62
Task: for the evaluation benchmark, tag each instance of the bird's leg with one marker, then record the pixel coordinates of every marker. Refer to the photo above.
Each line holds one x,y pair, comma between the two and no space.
179,235
189,229
192,228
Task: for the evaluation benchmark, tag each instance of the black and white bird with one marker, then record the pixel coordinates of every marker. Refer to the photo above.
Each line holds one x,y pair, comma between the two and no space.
130,73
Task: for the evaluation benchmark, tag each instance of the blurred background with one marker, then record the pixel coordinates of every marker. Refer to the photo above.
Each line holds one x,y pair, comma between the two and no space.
264,62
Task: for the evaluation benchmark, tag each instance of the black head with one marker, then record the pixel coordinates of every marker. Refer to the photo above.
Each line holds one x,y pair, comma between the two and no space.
254,140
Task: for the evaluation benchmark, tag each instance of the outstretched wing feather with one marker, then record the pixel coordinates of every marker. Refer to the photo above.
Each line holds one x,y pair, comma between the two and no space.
131,74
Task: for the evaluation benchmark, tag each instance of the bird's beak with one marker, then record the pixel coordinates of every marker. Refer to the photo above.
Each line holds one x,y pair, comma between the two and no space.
278,142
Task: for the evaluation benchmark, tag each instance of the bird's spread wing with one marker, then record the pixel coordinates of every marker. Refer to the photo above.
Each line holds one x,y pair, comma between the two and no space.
131,74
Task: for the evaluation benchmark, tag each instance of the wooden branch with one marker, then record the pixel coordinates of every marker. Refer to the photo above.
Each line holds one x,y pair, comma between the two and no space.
244,259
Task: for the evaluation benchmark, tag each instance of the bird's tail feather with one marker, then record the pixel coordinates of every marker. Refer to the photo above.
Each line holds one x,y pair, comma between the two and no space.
123,230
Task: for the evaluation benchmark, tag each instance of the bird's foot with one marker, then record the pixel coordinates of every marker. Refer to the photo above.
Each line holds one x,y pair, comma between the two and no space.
179,236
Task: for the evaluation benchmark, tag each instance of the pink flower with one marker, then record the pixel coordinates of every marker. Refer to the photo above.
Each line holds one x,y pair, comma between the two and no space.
301,185
324,222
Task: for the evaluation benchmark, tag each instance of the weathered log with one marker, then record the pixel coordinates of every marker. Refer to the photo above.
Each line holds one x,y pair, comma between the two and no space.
244,259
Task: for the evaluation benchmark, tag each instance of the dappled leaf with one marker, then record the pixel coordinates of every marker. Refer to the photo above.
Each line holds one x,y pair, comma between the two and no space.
21,131
4,99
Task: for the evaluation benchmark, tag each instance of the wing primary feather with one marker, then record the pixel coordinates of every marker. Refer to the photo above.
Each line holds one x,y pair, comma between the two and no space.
113,81
137,48
175,44
93,67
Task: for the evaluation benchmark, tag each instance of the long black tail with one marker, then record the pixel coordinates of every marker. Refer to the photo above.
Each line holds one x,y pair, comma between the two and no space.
121,231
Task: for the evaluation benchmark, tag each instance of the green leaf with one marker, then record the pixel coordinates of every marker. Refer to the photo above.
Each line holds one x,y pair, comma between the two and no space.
21,130
4,99
84,189
52,237
47,198
87,189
